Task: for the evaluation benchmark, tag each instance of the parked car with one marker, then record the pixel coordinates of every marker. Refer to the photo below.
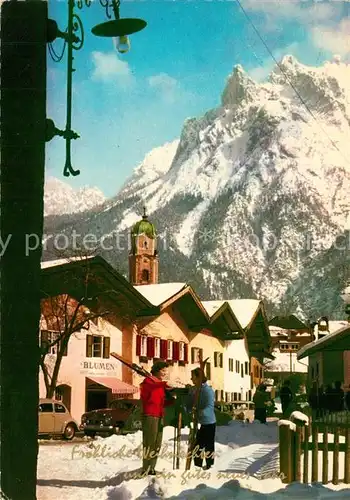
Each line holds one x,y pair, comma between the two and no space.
123,416
55,420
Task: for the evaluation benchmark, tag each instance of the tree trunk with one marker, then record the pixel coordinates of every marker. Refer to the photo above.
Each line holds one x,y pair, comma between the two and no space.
23,114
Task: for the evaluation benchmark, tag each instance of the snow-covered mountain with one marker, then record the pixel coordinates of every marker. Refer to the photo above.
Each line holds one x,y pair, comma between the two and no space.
253,199
60,198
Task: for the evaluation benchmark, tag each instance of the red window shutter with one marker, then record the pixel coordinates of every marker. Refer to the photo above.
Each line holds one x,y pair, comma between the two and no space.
163,349
150,347
186,353
176,351
138,345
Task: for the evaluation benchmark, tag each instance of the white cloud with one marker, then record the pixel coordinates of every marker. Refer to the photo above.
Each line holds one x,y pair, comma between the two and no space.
293,9
335,39
166,85
109,68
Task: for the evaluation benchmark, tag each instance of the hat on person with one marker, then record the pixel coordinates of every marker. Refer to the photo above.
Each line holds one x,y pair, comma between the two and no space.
158,365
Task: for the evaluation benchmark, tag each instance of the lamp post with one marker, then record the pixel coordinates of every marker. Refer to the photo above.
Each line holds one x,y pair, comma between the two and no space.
346,298
73,37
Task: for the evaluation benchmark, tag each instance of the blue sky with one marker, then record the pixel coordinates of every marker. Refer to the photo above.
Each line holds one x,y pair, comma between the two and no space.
125,105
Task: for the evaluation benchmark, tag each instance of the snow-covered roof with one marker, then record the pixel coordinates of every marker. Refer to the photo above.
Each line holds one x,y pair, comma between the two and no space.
67,260
333,326
211,306
160,293
281,363
244,310
313,346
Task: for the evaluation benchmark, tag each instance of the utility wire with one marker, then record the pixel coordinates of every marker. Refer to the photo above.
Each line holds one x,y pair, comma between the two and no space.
288,79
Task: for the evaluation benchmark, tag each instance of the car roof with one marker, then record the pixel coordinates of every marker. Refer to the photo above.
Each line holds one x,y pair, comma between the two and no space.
48,400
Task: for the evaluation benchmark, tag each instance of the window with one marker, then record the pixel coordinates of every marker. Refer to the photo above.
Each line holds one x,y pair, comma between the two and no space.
230,365
143,351
48,337
227,397
237,366
97,346
145,275
218,359
246,368
170,349
196,355
59,408
242,370
289,347
217,395
222,396
45,408
232,396
181,351
157,347
208,371
235,396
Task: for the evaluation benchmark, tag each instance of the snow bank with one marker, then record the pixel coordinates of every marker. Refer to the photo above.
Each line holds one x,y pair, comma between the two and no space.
246,467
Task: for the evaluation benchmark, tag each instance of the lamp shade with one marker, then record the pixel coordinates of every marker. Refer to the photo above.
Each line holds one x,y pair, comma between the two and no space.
119,27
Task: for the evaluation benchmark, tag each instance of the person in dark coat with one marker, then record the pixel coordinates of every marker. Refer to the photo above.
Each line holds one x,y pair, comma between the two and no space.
338,395
155,396
260,400
286,396
347,399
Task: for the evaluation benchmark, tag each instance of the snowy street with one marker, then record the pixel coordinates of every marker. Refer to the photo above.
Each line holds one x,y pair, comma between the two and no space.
246,467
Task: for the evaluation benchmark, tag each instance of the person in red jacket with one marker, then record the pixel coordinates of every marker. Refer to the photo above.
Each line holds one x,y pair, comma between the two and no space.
155,397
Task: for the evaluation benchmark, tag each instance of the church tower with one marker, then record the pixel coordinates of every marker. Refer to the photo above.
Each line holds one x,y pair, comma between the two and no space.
143,257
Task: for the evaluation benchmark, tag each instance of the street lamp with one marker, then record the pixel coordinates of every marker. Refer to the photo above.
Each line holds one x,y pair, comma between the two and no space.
346,298
73,37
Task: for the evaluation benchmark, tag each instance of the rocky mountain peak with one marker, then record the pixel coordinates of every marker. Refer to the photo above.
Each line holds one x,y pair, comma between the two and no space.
239,88
253,198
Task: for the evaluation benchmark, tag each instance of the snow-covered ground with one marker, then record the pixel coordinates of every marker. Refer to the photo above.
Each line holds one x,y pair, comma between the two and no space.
246,467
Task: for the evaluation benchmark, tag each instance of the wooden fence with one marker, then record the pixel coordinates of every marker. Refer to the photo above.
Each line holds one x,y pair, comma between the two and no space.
300,447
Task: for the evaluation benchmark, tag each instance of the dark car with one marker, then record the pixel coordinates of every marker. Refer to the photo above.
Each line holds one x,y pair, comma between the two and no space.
123,416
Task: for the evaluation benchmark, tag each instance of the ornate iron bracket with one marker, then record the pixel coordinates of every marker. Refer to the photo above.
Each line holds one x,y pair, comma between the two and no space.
74,40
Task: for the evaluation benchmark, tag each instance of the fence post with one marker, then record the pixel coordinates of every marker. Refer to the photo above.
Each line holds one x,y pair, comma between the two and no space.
306,454
286,450
325,456
347,456
314,471
335,479
297,450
